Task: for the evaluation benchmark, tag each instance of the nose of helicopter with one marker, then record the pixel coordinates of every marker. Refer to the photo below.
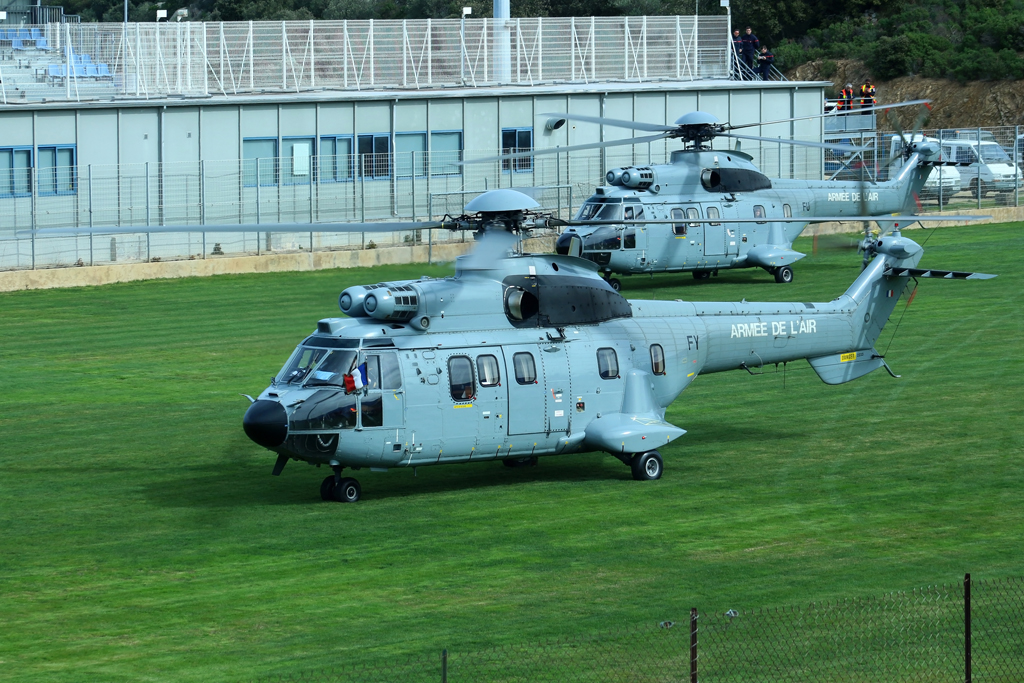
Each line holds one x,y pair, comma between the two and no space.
266,423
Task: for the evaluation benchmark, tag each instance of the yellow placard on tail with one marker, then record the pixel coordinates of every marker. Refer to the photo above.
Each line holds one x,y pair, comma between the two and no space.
848,356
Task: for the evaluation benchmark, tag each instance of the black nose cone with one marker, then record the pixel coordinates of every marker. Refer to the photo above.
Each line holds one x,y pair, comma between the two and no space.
563,241
266,423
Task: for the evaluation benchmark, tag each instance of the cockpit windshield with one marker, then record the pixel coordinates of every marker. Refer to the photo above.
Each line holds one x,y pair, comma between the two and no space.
332,371
604,238
300,364
599,211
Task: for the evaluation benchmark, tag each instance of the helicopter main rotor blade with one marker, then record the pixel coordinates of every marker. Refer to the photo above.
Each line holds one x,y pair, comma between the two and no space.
796,219
799,143
243,227
862,110
571,148
618,123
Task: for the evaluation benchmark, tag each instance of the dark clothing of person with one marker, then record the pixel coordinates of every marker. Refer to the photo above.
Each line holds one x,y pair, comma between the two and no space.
751,46
867,95
764,64
845,99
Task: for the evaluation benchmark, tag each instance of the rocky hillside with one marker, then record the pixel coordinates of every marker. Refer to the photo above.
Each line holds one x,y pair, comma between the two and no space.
954,105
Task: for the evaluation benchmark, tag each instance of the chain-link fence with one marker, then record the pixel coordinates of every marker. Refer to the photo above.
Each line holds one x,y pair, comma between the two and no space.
89,60
964,632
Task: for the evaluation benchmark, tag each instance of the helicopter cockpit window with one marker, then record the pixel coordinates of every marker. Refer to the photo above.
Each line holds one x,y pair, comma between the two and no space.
657,359
692,213
634,212
390,372
487,371
371,412
325,409
460,378
629,239
759,213
600,211
678,228
526,371
605,238
331,372
607,364
299,365
713,213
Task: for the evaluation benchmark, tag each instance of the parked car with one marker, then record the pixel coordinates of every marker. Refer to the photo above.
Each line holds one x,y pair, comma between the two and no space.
984,167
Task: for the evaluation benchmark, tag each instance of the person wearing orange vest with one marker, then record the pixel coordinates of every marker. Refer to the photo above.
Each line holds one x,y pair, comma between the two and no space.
867,94
846,98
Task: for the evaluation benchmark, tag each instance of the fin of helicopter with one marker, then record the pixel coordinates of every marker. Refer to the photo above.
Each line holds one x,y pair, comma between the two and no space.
640,425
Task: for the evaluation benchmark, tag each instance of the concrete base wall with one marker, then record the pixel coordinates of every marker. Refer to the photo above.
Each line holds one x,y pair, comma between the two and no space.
268,263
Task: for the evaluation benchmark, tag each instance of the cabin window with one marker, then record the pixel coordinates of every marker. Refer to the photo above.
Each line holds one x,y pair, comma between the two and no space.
390,372
607,364
373,372
678,228
526,371
787,211
629,239
759,213
487,371
633,212
371,411
692,213
713,213
460,378
657,359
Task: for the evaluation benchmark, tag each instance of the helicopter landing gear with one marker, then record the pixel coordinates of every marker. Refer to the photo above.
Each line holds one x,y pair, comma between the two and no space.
327,487
520,462
783,275
341,490
701,274
615,284
647,466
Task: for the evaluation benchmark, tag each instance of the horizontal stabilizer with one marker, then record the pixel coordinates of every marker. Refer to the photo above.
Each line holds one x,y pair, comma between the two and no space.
838,368
770,256
931,272
620,433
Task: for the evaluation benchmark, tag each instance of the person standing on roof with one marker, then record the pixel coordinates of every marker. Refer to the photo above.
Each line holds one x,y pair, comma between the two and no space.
867,94
846,98
764,63
737,46
751,46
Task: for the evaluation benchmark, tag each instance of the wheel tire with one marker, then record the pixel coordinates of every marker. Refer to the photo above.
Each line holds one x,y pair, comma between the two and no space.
520,462
647,466
615,284
327,488
784,275
701,275
347,491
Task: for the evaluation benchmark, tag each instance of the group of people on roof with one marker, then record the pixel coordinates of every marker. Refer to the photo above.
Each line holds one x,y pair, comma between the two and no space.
849,98
757,58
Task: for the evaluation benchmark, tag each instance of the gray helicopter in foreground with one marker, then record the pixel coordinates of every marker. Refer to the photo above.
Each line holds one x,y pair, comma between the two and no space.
682,216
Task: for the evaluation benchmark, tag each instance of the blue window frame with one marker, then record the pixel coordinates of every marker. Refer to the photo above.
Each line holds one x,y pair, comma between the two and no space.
15,171
259,155
445,152
334,163
374,152
517,140
56,170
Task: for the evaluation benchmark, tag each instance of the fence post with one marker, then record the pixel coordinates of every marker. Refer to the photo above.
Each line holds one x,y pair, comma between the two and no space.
693,645
148,253
90,215
444,666
258,204
1016,165
967,624
978,154
202,199
32,189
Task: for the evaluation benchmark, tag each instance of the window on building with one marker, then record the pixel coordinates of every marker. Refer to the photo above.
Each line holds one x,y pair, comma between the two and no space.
15,171
657,359
410,154
259,158
445,152
335,158
607,363
374,155
517,140
56,170
678,228
526,371
487,371
297,160
460,378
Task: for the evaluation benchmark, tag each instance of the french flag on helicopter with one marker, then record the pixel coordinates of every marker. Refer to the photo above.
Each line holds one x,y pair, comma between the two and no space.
357,380
889,293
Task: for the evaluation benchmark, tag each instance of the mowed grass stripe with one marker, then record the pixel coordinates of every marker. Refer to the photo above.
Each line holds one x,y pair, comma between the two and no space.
145,540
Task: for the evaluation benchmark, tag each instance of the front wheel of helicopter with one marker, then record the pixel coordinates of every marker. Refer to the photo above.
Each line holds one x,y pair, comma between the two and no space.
615,284
347,491
784,275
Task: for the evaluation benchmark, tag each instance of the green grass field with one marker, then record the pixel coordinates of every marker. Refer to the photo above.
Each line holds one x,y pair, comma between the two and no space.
143,538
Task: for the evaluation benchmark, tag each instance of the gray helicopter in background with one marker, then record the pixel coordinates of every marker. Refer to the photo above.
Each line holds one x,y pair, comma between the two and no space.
710,210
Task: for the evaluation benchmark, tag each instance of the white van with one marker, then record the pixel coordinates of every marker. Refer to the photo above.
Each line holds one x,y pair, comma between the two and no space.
945,177
984,167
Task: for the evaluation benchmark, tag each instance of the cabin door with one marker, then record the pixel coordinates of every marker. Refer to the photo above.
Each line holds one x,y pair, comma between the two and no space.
524,371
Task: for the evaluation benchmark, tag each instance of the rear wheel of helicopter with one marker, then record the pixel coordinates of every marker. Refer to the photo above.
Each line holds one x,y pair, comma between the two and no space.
647,466
327,488
701,274
520,462
347,491
615,284
784,275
